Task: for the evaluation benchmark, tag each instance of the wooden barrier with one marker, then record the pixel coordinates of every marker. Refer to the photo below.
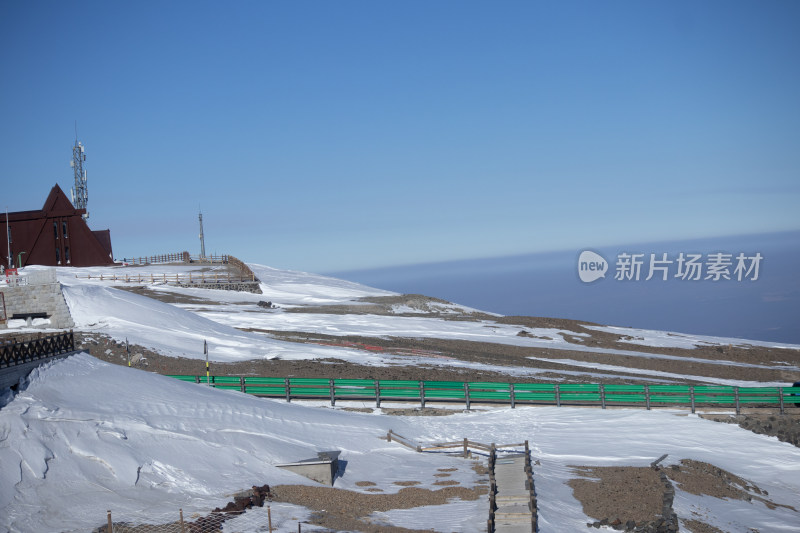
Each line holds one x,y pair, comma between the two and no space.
191,278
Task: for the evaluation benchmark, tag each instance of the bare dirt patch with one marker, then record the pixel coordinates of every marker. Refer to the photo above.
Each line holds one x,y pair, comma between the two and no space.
785,427
624,493
699,478
344,510
617,495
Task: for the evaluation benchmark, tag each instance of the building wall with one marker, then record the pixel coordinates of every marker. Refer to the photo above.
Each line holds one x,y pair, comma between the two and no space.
55,236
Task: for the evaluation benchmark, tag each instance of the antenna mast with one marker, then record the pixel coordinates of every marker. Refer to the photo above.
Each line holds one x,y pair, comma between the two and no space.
80,193
202,239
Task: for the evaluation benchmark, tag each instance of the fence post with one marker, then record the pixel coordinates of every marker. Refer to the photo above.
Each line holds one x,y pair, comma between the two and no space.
422,394
110,527
603,396
243,384
377,394
288,390
736,397
558,396
691,396
513,396
647,396
269,518
332,391
780,398
466,394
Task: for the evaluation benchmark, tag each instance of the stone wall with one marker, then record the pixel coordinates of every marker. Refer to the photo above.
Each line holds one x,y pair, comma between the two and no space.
241,286
44,298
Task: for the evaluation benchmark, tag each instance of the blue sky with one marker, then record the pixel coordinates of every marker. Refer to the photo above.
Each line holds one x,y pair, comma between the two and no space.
327,136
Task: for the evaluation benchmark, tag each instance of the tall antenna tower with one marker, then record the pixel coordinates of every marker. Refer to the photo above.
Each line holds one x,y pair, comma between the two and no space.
202,239
80,193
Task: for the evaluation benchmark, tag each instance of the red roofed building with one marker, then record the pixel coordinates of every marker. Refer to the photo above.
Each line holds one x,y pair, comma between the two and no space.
55,236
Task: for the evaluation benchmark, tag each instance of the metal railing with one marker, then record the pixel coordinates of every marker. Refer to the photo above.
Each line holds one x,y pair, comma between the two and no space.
484,392
37,277
16,352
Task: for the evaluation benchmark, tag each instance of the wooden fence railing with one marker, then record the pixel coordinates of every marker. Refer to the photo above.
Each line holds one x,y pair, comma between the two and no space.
600,395
213,258
241,266
178,257
199,277
15,352
463,446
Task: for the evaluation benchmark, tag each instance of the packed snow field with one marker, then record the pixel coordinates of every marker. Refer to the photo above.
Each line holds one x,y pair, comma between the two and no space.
83,436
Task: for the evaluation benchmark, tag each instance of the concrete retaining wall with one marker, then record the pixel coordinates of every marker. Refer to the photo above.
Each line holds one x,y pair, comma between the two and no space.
45,298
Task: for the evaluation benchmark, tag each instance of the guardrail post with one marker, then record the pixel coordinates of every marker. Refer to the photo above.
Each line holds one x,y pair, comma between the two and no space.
736,397
466,394
691,396
603,396
197,379
780,399
243,385
288,390
377,394
647,396
558,396
333,392
422,394
513,396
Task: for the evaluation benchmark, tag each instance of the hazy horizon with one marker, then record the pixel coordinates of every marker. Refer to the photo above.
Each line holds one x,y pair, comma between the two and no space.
547,284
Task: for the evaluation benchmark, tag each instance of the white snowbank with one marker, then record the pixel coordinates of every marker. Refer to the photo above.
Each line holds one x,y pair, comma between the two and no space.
85,436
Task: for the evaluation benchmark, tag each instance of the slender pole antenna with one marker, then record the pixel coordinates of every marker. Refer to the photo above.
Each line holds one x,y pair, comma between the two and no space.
8,236
202,238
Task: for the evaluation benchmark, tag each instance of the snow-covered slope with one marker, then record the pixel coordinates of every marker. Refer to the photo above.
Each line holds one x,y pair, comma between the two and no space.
231,321
84,436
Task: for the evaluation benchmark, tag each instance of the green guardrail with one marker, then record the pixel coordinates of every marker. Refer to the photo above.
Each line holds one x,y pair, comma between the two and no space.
505,393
